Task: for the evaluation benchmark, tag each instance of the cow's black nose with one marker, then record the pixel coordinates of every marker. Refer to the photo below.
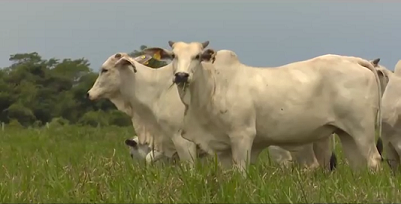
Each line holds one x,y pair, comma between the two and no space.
87,95
181,77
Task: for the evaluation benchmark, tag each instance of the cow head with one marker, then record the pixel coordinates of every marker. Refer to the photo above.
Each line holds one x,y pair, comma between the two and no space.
186,57
109,81
137,151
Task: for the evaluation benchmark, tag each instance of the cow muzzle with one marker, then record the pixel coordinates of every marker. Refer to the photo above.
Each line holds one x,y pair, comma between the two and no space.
91,96
88,96
181,77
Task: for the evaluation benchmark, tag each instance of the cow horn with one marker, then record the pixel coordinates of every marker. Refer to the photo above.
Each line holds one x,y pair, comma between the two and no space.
205,44
171,43
376,61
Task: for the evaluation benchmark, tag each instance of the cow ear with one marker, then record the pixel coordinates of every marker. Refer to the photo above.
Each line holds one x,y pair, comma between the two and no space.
208,55
375,62
159,53
131,142
124,62
380,73
143,59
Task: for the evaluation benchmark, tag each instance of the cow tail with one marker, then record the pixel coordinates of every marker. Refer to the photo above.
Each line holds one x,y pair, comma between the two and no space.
379,143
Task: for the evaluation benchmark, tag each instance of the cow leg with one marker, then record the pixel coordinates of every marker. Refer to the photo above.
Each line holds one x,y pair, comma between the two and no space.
241,147
323,150
226,160
186,149
392,156
359,147
305,156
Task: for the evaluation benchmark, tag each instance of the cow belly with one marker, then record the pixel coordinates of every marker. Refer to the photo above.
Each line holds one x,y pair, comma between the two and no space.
296,135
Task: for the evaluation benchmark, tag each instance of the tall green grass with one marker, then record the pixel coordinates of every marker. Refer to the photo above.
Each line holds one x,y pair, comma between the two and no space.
78,164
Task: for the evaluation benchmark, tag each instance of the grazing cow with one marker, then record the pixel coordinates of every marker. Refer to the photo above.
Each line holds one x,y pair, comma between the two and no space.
391,112
137,151
246,109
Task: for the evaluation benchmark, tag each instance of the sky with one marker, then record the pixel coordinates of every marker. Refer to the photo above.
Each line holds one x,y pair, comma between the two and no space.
262,33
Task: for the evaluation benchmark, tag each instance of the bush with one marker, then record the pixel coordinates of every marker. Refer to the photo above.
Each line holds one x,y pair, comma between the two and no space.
37,124
23,115
118,118
59,121
94,119
14,124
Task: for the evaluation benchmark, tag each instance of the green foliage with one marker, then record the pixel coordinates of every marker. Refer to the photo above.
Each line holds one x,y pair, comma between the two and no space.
35,91
92,165
59,122
21,113
14,124
119,118
94,119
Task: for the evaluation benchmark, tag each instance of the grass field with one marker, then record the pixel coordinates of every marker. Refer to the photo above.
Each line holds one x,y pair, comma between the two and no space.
76,164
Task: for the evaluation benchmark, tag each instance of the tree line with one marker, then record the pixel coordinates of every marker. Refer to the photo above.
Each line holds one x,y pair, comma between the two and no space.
35,91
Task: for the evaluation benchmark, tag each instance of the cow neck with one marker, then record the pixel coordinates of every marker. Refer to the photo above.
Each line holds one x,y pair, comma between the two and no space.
203,88
145,86
121,104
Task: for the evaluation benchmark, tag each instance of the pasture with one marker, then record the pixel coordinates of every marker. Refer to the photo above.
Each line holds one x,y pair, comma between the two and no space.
81,164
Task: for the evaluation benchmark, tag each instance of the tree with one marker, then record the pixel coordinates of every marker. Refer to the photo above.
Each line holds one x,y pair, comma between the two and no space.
35,91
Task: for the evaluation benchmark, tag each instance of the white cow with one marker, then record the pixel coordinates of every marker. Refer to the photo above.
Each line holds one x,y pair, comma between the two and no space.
246,109
391,109
147,95
140,146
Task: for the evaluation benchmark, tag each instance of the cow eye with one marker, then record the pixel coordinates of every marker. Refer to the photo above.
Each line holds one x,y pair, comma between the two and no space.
197,57
104,70
173,56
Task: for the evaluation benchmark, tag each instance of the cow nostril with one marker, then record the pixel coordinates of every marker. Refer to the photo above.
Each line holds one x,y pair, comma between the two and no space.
182,75
185,75
87,95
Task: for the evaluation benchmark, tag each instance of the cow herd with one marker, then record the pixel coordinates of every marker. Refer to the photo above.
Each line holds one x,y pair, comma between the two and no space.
206,102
